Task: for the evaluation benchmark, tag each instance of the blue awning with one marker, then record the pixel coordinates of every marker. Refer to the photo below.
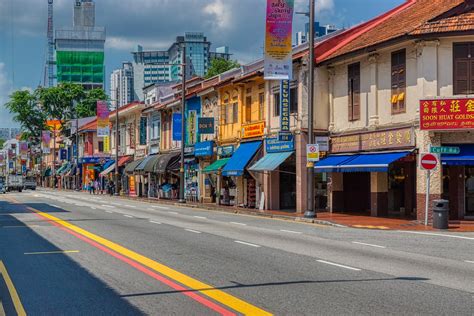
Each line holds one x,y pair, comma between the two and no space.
331,163
362,162
108,164
464,158
270,161
241,158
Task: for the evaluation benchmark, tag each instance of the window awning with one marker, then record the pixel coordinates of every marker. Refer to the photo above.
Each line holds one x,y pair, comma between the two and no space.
108,164
65,169
378,162
108,170
216,166
241,158
464,158
141,166
165,162
270,161
130,168
150,164
124,160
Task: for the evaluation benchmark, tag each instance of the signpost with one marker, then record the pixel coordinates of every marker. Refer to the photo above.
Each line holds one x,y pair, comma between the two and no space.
428,162
312,154
445,150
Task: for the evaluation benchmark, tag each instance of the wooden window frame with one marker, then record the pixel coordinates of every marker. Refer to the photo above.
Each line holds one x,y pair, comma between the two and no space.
469,71
353,91
248,109
398,79
261,106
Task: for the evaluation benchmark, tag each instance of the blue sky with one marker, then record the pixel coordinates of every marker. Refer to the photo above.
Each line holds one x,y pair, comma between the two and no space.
238,24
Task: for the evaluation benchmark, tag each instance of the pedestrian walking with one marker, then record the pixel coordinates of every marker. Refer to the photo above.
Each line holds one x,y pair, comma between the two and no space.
96,187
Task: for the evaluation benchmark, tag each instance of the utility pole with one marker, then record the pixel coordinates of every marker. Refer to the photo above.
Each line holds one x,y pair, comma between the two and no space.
117,106
78,176
183,123
310,213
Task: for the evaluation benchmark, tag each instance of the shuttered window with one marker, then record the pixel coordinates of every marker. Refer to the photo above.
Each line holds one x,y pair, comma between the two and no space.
463,68
143,128
398,81
248,109
354,91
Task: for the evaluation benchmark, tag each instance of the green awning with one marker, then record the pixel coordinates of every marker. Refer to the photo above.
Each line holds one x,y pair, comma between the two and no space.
216,165
47,172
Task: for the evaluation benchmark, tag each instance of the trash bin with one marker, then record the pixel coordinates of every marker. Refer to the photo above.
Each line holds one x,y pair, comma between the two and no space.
441,214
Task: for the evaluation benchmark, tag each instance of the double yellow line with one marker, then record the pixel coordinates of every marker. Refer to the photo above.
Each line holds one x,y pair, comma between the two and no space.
11,289
225,299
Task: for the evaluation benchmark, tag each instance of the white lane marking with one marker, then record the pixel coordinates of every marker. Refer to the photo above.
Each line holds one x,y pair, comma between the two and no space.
338,265
153,222
440,235
192,231
105,205
469,261
237,223
117,204
246,243
94,208
110,212
160,207
132,206
129,216
370,245
175,213
200,217
55,206
290,231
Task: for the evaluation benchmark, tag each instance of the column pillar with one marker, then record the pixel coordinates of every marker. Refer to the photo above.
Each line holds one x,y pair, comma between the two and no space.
301,173
373,103
378,194
336,192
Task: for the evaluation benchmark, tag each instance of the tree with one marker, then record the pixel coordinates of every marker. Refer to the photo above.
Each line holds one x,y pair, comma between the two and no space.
27,111
220,65
88,105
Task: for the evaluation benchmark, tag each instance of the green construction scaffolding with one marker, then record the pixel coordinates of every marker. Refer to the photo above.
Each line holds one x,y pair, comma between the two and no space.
80,67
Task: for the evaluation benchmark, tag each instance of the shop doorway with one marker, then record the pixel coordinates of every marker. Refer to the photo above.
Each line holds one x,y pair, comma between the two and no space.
357,192
288,184
469,187
402,189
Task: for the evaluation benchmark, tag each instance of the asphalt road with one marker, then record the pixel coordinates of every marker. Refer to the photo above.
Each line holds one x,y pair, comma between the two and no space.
77,254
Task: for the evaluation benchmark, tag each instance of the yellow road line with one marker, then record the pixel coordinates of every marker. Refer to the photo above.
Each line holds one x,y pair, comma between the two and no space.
2,310
11,289
51,252
205,289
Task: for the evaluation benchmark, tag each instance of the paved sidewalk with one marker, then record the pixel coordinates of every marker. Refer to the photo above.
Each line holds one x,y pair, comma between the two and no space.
323,218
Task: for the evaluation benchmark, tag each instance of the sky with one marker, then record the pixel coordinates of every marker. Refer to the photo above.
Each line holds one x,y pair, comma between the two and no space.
154,24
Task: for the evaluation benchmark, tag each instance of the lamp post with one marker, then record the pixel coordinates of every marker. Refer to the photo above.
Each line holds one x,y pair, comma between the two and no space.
78,182
116,193
310,212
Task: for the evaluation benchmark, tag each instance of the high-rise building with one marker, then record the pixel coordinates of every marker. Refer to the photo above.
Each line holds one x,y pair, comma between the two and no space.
80,48
319,31
121,85
15,132
162,66
4,133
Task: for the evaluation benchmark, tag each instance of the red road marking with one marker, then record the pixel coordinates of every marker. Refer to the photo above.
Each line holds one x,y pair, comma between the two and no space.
207,303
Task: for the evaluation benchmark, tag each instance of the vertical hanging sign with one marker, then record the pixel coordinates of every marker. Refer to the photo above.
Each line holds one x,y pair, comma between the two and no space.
285,133
103,124
278,40
45,141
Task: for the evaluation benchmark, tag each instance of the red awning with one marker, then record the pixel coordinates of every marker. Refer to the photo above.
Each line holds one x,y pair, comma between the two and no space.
124,160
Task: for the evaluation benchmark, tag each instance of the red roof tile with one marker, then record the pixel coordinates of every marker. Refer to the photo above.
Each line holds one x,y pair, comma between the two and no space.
394,24
89,126
461,23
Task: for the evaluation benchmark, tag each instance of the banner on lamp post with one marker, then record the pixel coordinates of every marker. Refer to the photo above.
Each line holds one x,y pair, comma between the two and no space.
45,141
278,40
103,123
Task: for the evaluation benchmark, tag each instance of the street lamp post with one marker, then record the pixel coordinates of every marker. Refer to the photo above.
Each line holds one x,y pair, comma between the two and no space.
183,123
78,183
117,144
310,212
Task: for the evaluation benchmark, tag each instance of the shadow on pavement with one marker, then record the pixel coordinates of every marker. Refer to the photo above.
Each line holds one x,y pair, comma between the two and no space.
50,284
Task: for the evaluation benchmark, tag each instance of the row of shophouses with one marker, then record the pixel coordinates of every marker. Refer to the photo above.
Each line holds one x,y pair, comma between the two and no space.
370,80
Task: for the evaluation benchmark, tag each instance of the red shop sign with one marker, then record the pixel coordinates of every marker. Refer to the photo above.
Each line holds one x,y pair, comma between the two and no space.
447,114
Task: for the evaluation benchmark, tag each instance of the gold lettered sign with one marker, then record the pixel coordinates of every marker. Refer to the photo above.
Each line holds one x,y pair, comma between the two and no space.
253,130
398,138
342,144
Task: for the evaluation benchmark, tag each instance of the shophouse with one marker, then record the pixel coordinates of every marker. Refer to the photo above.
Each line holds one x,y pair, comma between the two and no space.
415,60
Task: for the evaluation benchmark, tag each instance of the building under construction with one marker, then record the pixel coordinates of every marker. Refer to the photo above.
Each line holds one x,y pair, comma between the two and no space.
80,48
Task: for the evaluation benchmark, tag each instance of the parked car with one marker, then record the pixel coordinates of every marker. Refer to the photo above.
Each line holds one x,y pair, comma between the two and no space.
2,188
14,183
30,183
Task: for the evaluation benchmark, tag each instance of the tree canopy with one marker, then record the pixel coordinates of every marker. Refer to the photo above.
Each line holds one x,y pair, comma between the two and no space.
63,102
220,65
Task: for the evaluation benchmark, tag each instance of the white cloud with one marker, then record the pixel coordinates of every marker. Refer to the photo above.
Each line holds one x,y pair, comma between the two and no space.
5,116
220,12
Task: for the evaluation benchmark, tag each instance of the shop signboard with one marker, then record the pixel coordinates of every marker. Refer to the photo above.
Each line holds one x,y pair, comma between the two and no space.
379,140
312,152
103,124
225,151
63,154
274,145
253,130
278,40
206,125
447,114
191,135
23,150
189,150
323,142
445,150
177,119
285,106
204,149
45,141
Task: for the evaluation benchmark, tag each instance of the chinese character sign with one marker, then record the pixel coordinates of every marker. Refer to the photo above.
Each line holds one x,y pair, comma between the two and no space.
446,114
285,105
278,40
177,119
103,124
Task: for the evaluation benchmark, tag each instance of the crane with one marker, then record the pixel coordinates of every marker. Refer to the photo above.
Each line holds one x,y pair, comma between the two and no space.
49,75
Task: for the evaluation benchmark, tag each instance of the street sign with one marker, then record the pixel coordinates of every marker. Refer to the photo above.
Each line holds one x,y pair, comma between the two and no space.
285,136
428,161
445,150
312,152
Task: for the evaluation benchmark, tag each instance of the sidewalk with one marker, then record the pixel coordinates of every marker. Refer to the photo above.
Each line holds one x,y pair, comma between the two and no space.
323,218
